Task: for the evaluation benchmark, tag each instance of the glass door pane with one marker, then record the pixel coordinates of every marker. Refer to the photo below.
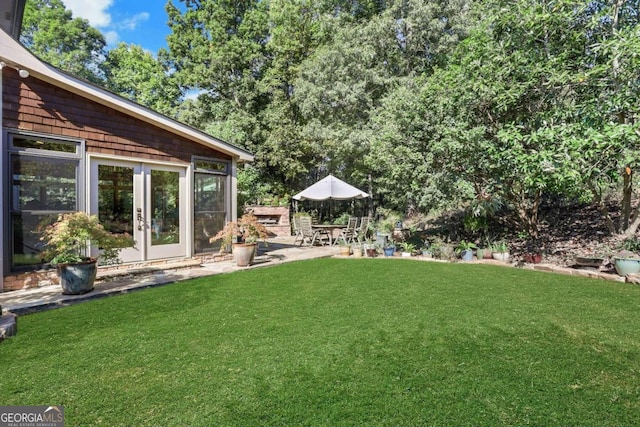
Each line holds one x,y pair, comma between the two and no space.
209,210
166,218
165,204
115,198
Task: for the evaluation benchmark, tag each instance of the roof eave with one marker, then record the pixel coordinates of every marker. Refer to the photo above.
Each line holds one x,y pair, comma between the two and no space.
24,59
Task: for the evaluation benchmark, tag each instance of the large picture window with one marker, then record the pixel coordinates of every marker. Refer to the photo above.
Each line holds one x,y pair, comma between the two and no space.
45,176
210,202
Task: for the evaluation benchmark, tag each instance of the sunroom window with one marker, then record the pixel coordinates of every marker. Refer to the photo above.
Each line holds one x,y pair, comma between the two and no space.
210,202
45,177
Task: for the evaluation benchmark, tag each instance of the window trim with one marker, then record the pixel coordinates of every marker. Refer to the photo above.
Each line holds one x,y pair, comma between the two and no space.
8,151
226,162
226,173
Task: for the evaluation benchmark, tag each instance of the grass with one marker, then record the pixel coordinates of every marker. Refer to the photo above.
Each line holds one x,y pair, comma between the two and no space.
339,342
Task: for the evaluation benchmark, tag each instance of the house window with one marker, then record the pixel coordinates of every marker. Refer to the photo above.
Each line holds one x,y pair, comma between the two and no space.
210,202
44,182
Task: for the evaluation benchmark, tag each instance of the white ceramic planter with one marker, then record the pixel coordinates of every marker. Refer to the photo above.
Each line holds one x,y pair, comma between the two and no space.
501,256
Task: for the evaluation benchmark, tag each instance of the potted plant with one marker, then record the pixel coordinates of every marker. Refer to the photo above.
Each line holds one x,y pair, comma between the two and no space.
500,251
67,243
465,250
344,248
627,260
533,252
389,248
484,250
426,249
357,250
593,259
370,249
247,231
407,249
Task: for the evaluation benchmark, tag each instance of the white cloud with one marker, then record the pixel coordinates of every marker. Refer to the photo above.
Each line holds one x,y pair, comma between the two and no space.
111,37
132,23
94,11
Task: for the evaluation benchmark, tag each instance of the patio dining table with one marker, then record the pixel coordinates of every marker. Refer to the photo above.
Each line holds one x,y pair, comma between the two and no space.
329,229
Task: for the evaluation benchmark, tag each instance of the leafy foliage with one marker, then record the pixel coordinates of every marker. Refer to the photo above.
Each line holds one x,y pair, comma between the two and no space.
50,31
247,228
438,105
135,74
68,238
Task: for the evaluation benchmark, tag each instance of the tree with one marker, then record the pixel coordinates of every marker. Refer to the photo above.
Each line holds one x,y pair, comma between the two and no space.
530,108
134,73
51,33
243,57
343,85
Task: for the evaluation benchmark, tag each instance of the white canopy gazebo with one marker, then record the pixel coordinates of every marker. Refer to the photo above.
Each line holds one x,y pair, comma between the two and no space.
330,188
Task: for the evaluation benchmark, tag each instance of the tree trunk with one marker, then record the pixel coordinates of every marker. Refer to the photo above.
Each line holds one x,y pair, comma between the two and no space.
370,191
528,213
602,207
627,194
633,227
627,174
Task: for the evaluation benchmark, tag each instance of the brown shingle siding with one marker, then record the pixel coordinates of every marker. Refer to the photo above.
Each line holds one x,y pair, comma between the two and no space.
47,109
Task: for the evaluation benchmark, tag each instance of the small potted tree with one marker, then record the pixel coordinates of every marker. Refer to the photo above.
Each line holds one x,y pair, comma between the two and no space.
67,242
247,231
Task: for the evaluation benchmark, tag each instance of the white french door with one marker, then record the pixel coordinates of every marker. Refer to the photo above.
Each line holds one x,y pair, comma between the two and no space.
145,200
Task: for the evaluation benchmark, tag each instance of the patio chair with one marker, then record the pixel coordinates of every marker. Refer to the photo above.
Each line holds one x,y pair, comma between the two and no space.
348,234
363,229
307,232
296,229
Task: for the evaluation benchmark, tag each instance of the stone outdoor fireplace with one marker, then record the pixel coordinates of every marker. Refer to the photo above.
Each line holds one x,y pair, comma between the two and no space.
275,218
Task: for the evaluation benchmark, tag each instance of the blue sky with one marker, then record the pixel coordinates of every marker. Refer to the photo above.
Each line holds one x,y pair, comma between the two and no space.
135,22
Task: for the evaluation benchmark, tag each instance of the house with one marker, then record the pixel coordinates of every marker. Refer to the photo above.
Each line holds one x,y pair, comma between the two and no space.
68,145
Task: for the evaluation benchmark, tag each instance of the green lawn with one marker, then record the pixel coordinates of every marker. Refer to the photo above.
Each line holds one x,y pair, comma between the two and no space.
339,343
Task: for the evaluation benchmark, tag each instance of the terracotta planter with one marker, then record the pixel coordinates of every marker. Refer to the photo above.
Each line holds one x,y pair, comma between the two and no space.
371,253
533,258
77,278
345,250
483,253
244,253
